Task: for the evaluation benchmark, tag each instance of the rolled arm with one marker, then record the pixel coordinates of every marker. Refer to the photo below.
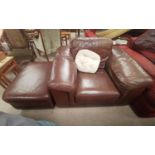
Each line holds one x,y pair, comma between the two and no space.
64,51
127,74
62,81
63,74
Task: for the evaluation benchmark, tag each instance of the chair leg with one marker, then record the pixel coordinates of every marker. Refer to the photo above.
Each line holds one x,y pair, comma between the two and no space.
3,84
5,80
16,69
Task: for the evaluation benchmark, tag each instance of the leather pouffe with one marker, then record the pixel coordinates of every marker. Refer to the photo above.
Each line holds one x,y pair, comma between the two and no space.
30,87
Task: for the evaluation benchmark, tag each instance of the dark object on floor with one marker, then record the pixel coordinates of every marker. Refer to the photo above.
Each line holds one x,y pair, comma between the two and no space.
143,107
16,120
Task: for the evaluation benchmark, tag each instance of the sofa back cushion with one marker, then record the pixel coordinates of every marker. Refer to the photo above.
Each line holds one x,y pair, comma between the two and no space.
146,41
101,46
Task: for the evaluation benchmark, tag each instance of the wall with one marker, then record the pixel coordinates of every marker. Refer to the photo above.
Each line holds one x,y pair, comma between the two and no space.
51,39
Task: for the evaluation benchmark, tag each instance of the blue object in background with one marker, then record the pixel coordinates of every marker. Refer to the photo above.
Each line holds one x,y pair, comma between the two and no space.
46,123
17,120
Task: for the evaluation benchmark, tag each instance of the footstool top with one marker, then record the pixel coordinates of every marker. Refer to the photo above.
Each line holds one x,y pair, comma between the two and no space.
31,84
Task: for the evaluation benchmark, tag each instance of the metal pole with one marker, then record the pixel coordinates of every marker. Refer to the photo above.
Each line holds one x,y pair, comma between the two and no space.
44,46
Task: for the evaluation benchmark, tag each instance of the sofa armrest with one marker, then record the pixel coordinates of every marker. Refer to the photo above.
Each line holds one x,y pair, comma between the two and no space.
127,74
63,74
64,51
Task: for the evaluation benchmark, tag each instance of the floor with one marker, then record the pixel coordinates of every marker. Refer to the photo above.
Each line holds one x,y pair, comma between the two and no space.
122,115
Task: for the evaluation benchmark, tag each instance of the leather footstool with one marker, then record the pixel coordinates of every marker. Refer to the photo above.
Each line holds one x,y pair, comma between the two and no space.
30,87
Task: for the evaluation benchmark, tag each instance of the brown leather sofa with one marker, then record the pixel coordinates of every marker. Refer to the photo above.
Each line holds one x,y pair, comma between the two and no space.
46,84
121,81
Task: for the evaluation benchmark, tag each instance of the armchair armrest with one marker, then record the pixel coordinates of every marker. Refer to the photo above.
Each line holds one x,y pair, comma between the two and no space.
127,74
64,51
63,74
63,80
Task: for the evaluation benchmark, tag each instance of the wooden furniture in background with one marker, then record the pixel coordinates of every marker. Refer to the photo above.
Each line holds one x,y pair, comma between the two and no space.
64,38
7,64
35,33
65,35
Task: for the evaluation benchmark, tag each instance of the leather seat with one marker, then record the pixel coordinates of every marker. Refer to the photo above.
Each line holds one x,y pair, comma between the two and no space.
30,88
97,89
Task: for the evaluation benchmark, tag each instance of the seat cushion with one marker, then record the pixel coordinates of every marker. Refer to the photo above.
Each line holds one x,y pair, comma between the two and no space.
96,89
29,89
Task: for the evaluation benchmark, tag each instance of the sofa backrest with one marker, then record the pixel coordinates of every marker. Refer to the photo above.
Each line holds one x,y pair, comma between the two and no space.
101,46
146,41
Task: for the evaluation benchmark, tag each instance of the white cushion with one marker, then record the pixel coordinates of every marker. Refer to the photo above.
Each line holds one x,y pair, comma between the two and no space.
87,61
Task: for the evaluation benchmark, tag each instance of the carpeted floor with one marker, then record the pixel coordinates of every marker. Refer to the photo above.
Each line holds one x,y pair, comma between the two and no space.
121,115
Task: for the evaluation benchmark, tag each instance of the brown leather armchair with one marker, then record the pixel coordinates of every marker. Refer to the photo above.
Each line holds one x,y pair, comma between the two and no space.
119,82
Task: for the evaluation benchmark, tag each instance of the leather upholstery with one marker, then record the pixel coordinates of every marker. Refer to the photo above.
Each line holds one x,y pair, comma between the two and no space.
147,65
127,74
101,46
64,51
145,44
63,74
72,88
96,89
63,78
127,71
146,41
39,83
149,55
151,93
148,102
30,88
